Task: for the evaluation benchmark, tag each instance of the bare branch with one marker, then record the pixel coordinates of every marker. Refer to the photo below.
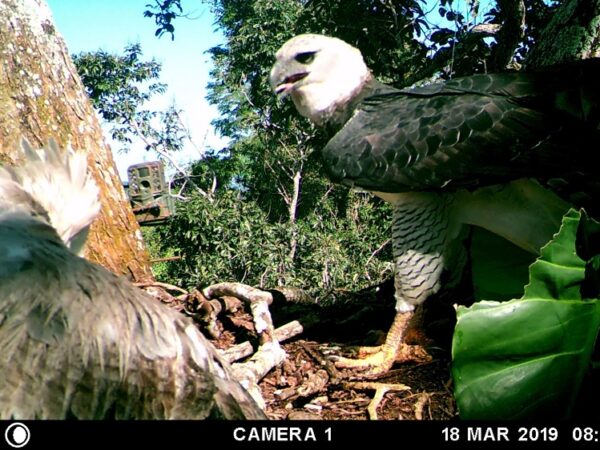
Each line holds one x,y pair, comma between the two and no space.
381,247
486,29
167,286
293,211
283,333
166,258
380,390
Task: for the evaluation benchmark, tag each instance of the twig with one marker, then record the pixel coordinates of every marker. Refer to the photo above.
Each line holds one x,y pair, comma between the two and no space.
269,354
332,371
315,383
244,292
166,258
167,286
283,333
380,390
420,405
381,247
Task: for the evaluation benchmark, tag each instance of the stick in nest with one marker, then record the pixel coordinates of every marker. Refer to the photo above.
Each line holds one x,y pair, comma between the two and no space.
380,390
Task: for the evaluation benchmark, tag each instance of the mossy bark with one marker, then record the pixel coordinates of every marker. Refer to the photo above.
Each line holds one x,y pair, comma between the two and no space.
572,34
41,96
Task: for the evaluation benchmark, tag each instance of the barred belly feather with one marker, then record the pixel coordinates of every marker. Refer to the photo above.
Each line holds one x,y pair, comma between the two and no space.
426,242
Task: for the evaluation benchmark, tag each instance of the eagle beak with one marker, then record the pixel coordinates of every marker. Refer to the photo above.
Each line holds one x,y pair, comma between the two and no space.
287,85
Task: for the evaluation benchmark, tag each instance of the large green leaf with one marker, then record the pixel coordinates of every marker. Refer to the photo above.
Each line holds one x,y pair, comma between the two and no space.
558,272
500,269
522,359
526,358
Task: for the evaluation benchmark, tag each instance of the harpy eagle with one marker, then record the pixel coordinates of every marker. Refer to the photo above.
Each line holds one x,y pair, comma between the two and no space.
77,341
463,152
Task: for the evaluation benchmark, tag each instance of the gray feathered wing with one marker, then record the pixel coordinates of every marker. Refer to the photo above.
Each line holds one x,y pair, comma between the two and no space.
78,342
471,131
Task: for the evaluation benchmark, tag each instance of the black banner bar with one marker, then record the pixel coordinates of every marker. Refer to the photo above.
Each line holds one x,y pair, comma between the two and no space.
290,434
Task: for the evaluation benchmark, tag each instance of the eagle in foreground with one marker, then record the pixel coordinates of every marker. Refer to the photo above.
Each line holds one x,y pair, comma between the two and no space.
447,155
78,342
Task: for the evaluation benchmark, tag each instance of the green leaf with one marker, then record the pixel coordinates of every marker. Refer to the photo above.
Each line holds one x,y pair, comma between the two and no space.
588,248
522,359
526,358
558,272
500,269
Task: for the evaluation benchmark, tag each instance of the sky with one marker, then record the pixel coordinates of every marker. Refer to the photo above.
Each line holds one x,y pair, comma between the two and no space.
110,25
89,25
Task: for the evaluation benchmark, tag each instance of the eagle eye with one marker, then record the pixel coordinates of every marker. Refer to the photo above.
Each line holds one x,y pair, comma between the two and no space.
305,57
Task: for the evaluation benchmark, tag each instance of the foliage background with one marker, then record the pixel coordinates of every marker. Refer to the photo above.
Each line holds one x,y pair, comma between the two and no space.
261,211
274,218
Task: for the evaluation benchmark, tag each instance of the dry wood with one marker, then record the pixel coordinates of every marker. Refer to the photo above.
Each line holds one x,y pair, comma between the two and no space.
380,390
285,393
231,304
167,286
263,322
292,294
258,300
252,371
420,404
329,366
303,415
244,349
269,354
250,294
244,292
316,383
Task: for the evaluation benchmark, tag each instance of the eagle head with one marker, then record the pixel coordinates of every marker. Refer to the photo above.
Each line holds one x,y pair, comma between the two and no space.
320,73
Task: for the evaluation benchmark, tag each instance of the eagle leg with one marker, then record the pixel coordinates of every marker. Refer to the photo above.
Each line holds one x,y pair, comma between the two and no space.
426,241
378,360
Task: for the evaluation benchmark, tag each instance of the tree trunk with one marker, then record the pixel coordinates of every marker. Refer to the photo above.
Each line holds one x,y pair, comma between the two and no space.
41,96
512,13
572,34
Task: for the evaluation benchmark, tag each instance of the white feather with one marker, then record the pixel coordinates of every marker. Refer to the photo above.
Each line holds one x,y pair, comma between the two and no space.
54,184
333,77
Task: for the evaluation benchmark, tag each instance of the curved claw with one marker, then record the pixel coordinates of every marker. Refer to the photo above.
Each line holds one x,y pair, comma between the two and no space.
381,361
378,360
375,364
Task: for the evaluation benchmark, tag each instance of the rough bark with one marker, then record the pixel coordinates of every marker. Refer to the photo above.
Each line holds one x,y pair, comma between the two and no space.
572,34
510,33
41,96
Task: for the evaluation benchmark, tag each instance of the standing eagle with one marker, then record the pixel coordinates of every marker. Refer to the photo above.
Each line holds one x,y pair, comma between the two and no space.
463,152
77,341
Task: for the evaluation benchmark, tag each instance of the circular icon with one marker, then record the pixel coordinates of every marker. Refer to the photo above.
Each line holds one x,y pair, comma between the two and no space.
17,435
